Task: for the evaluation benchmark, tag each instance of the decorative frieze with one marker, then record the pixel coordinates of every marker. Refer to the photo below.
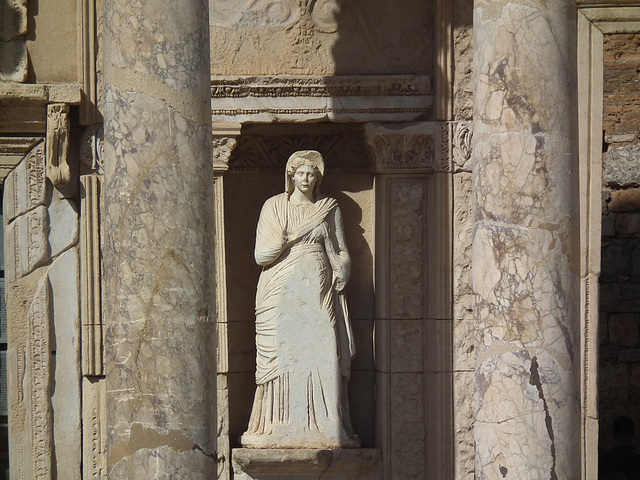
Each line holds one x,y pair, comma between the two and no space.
57,144
25,187
266,99
27,244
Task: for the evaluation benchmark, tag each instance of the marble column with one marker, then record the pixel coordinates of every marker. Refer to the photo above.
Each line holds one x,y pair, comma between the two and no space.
159,314
525,246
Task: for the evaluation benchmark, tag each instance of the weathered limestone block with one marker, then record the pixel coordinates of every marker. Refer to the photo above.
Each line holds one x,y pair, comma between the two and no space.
625,200
64,277
63,221
622,166
26,238
25,187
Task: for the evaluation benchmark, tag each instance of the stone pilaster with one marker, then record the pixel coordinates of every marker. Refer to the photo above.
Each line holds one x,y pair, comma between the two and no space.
525,251
159,313
413,326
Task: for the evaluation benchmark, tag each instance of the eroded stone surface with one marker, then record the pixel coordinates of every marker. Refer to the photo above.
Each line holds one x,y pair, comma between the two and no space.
27,241
64,277
622,166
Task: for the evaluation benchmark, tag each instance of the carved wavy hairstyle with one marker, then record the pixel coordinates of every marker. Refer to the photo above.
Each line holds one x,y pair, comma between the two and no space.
310,158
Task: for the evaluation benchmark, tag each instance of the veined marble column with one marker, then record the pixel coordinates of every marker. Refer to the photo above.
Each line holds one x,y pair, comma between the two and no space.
525,247
159,313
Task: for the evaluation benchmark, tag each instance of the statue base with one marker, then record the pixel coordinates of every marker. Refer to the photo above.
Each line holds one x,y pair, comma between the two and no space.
305,464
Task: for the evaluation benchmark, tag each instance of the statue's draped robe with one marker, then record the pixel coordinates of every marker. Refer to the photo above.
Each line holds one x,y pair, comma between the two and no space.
303,335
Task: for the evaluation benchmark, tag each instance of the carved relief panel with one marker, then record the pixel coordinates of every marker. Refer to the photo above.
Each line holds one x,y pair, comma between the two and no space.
320,37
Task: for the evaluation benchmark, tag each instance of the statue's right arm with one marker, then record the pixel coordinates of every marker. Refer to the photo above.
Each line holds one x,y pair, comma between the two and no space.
271,238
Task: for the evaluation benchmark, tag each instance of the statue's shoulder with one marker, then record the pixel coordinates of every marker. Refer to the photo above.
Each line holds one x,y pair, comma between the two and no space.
276,199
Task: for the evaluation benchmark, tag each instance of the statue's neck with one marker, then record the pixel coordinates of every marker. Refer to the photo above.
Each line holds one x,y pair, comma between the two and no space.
299,198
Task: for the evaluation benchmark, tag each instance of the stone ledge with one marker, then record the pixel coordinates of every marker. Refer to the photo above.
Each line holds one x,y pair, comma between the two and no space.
41,93
304,464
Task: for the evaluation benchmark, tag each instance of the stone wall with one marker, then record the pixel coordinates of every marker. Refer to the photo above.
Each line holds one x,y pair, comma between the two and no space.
619,391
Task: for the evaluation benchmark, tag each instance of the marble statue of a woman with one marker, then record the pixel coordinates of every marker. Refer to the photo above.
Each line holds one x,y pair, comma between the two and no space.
303,336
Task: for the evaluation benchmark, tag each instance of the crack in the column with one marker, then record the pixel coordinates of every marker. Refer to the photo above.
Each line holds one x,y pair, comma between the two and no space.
536,382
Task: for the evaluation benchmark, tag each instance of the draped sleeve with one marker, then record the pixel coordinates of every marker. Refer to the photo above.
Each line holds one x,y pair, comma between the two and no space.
271,231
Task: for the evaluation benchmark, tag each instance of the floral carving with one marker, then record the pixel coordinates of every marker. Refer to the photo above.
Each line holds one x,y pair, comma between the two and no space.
403,151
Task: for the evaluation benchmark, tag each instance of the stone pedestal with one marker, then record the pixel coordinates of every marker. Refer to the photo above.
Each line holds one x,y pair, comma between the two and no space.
525,247
160,316
304,464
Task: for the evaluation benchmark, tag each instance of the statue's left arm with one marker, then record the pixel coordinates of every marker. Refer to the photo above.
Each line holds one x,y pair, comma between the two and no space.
339,257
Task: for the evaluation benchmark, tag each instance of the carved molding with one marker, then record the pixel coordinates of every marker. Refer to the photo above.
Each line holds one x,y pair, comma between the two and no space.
408,148
57,144
341,98
91,276
270,153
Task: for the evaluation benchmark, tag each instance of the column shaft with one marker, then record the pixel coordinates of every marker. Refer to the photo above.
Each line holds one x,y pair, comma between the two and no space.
525,267
159,313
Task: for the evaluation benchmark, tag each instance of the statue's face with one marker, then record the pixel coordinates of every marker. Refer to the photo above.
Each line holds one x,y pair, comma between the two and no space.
305,179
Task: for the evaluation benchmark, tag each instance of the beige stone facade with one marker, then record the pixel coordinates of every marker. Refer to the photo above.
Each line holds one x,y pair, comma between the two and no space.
485,156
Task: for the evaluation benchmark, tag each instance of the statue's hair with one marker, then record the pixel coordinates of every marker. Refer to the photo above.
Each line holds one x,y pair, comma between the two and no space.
310,158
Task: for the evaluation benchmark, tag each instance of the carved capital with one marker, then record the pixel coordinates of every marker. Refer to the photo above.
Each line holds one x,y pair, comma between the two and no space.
224,141
405,149
57,144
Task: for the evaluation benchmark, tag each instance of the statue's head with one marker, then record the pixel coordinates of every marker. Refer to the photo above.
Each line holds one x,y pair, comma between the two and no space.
310,158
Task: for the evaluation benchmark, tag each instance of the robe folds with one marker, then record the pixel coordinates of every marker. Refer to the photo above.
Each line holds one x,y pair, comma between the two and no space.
304,341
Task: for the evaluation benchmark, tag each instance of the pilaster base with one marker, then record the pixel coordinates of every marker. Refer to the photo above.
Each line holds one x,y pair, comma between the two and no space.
305,464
